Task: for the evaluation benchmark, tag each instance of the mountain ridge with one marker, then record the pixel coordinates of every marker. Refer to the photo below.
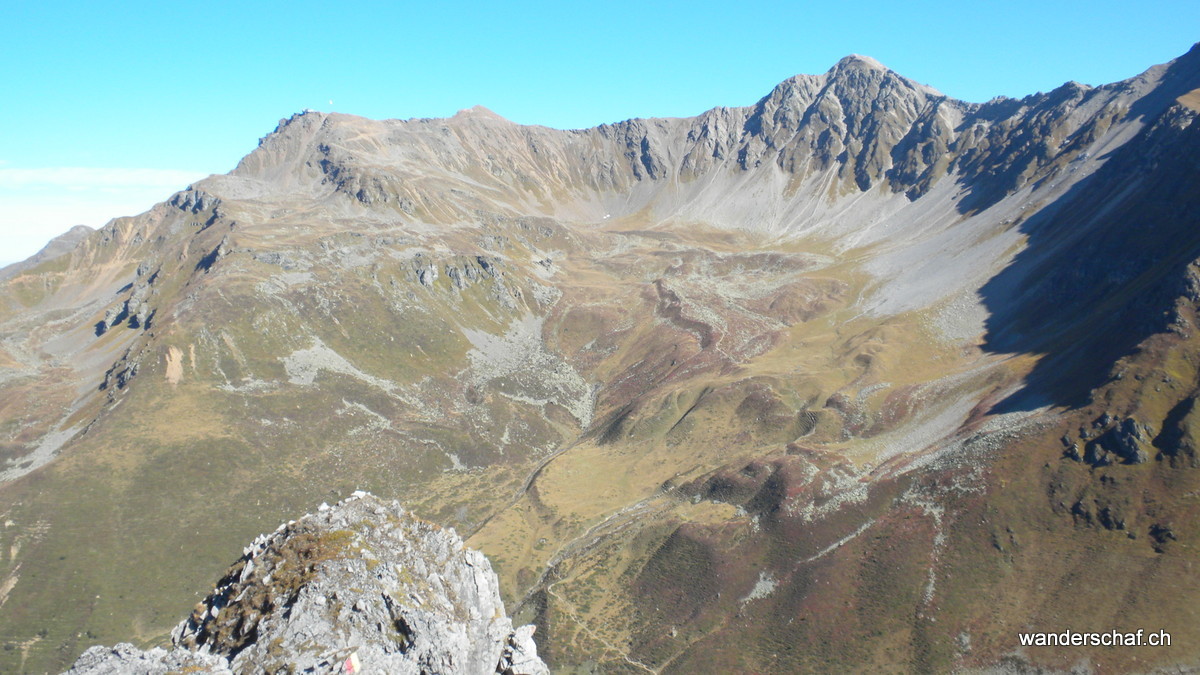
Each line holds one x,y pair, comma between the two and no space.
705,361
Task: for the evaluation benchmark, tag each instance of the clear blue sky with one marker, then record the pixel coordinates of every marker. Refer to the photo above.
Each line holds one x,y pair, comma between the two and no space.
188,88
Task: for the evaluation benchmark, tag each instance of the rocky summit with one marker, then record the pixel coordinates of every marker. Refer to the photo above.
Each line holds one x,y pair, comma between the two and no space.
361,586
854,378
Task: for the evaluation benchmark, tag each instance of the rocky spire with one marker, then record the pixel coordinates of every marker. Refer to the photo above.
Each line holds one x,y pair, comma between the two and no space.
362,586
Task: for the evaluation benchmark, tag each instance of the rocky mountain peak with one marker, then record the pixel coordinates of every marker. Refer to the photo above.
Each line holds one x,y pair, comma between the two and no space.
57,246
856,85
857,77
478,112
361,582
858,62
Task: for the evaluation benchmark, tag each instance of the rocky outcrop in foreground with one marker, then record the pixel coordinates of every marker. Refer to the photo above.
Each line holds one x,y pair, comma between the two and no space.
362,586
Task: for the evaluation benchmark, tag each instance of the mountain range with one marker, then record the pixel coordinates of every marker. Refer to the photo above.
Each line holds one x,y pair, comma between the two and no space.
857,378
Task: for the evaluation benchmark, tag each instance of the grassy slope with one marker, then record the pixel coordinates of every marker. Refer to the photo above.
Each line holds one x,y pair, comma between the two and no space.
696,371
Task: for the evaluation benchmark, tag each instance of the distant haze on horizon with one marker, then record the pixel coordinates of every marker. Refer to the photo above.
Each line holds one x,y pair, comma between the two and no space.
112,108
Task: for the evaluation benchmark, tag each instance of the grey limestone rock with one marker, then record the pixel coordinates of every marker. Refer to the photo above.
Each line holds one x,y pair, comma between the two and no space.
1129,439
360,581
1125,441
125,658
193,201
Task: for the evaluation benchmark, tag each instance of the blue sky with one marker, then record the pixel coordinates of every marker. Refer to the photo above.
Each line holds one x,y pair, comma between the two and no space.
110,107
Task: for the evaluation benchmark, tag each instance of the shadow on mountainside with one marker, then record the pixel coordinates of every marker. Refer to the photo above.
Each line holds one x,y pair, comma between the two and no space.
1103,265
993,171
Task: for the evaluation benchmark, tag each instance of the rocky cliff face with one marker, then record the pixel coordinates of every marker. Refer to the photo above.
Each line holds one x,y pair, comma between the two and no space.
361,586
855,376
